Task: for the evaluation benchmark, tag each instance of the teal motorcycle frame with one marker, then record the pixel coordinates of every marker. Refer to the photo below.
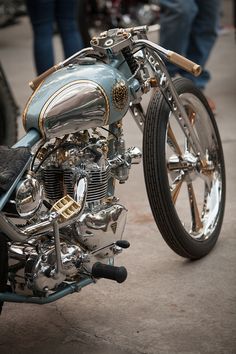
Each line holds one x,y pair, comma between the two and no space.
94,89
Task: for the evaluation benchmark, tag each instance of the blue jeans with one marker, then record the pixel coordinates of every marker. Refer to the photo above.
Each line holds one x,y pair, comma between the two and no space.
43,14
189,27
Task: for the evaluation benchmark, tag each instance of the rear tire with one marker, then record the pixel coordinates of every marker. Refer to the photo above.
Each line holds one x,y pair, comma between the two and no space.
187,200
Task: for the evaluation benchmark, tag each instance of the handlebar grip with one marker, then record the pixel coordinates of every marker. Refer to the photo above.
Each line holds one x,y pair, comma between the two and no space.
184,63
36,82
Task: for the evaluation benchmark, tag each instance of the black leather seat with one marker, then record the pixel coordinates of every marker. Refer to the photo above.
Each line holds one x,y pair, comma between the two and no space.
12,161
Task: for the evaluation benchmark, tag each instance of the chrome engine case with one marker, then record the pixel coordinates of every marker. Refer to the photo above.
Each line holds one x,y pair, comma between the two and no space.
101,227
79,168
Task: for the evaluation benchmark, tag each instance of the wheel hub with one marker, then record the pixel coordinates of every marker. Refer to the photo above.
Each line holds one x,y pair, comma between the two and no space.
188,164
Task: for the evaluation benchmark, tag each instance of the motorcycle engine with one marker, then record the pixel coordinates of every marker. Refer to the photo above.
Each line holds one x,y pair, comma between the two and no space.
84,167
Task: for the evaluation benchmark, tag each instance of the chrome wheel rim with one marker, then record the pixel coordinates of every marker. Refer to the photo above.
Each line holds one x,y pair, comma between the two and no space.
195,187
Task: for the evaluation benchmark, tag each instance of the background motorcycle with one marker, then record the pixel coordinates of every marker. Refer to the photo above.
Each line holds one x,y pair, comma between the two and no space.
61,222
10,10
95,16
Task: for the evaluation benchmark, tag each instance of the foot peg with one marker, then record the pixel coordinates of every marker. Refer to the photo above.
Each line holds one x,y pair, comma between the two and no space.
100,270
123,243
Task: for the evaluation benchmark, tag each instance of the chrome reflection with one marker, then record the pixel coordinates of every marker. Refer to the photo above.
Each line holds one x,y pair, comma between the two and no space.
29,197
76,106
80,191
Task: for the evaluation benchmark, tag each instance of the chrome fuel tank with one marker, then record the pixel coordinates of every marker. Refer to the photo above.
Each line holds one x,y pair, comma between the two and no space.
75,98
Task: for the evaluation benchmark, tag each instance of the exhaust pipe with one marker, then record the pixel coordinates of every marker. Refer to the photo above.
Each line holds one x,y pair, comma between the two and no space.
17,234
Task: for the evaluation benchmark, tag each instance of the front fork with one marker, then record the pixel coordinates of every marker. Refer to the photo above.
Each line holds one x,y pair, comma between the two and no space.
173,100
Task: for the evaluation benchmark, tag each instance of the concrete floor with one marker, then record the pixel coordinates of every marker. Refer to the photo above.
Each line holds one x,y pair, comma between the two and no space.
167,305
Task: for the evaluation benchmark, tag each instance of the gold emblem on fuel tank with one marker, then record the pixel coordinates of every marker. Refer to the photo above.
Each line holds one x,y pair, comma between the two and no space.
120,95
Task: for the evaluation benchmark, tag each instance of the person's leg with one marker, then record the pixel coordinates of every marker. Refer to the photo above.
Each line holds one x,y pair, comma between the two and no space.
176,18
83,20
65,13
41,13
203,37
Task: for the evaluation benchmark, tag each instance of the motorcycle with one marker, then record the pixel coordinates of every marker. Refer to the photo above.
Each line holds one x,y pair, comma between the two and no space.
61,223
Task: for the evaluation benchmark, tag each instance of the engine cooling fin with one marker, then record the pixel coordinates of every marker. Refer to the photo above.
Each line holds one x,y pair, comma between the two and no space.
59,182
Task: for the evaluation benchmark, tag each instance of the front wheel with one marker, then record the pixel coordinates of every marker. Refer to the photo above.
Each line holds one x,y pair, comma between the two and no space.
187,197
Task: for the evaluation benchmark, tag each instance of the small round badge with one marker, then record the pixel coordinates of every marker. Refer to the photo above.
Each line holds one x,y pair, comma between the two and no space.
120,95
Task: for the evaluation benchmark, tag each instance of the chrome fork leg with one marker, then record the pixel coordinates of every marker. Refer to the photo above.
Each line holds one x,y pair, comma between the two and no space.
173,100
138,115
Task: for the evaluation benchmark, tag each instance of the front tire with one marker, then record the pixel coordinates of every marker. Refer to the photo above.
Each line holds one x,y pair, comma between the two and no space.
187,199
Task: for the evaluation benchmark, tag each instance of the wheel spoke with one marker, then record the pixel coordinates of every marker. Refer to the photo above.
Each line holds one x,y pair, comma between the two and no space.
172,142
206,194
192,117
207,178
175,188
196,220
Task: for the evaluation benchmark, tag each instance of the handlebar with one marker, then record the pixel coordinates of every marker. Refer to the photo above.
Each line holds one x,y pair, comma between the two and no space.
172,57
140,31
184,63
36,82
